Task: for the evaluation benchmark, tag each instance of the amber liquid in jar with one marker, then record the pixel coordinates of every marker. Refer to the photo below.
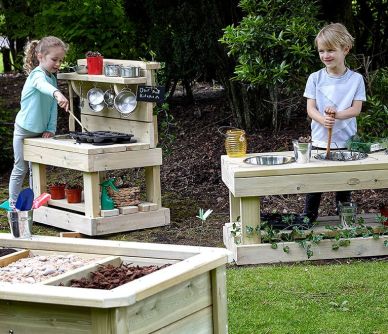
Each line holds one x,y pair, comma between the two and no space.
235,143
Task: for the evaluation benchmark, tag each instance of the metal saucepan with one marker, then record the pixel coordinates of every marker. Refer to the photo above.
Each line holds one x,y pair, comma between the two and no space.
80,69
125,101
111,70
269,160
95,96
129,71
97,107
109,98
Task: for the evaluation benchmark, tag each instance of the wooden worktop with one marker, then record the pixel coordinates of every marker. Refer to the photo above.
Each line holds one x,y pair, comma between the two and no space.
237,168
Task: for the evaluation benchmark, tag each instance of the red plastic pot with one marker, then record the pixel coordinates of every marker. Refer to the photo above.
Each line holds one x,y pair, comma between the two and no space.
95,64
74,195
57,191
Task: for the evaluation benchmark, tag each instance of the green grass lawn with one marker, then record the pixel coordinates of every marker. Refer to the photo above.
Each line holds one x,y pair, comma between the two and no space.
305,298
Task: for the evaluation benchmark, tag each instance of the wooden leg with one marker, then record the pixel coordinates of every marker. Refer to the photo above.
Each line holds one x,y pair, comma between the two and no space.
220,313
234,208
250,220
152,180
38,178
92,194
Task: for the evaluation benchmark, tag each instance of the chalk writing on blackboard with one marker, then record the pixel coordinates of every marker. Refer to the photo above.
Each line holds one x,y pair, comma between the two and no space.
150,93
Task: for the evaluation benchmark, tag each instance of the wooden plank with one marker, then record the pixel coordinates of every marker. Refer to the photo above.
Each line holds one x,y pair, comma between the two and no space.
143,131
124,160
220,313
38,179
134,221
250,219
197,323
70,235
84,271
91,194
168,306
143,112
101,78
62,203
70,145
13,257
234,207
101,225
36,318
237,168
104,321
323,182
263,253
153,189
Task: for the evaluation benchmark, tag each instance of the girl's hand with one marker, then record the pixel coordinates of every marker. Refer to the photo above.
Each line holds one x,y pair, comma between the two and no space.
47,134
63,102
329,119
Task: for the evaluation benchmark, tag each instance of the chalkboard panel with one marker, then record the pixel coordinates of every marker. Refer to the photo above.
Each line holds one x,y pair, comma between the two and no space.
150,93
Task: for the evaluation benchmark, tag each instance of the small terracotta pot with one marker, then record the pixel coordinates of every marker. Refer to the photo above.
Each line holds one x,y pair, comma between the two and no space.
74,195
57,191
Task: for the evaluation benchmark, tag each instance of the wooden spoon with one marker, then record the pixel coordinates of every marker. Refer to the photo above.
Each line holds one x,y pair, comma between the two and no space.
78,121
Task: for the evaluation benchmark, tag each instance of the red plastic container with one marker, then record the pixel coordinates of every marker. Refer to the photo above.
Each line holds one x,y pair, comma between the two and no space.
95,64
74,195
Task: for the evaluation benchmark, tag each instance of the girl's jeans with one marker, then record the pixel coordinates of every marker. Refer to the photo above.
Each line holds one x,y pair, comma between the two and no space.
20,167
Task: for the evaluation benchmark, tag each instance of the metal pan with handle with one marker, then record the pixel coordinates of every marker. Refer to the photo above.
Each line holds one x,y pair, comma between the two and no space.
125,102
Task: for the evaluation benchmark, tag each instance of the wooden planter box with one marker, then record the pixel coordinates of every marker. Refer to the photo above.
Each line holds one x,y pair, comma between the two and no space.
189,296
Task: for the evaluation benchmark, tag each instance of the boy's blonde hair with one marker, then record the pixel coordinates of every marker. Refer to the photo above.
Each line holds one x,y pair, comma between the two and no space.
335,35
34,47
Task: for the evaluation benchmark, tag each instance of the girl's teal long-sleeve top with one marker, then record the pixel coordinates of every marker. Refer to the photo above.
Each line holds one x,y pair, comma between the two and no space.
38,107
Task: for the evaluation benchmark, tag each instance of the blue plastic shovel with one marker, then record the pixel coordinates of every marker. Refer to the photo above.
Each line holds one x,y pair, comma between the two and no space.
25,199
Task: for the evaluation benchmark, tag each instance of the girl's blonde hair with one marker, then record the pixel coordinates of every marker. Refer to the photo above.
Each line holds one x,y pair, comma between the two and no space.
335,35
34,47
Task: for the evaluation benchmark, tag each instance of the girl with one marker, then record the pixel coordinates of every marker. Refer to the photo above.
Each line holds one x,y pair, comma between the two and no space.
334,100
40,96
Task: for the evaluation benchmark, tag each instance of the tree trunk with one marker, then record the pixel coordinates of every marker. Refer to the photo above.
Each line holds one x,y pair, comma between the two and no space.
6,60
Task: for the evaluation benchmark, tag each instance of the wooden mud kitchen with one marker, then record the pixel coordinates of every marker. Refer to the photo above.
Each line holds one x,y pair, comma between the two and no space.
93,160
186,296
248,183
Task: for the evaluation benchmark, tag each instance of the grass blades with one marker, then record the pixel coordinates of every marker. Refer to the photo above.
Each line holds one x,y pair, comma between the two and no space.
306,298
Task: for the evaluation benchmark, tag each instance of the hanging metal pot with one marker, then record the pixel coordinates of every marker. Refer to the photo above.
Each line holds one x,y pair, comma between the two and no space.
109,98
97,107
95,96
125,101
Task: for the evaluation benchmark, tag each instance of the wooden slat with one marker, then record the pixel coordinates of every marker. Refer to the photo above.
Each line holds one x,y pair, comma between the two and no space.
143,131
220,313
298,184
153,189
197,323
83,271
101,78
13,257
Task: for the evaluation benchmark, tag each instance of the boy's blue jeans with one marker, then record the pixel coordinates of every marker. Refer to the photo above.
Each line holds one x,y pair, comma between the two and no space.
314,199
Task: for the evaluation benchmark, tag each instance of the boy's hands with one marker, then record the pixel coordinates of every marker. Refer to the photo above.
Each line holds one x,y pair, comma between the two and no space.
329,120
63,102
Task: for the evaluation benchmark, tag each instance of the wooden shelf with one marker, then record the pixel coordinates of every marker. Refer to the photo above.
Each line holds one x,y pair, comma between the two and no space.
101,78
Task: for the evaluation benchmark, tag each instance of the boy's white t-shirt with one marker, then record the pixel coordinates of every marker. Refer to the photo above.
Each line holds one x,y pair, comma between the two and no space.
339,92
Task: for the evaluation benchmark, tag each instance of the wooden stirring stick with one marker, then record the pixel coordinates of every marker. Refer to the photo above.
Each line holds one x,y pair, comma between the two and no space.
329,133
78,121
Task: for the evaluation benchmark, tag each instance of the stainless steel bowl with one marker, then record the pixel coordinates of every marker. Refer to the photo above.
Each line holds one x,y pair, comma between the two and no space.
269,160
125,102
342,156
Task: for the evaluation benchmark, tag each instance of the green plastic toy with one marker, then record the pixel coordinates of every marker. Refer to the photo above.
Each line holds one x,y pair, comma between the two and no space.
107,202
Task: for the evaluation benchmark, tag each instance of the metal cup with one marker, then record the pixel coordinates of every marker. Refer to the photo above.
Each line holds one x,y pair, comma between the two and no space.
302,152
20,223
